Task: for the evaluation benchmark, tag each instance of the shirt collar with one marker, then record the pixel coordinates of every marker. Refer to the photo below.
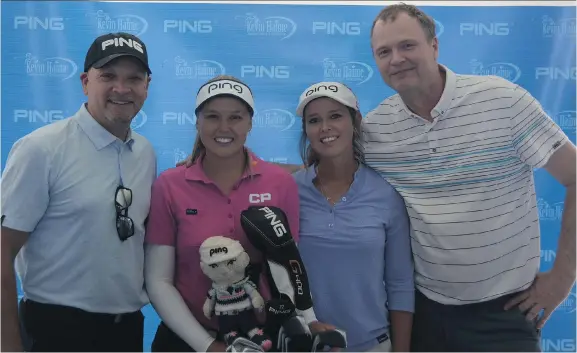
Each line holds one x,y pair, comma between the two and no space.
196,173
358,179
99,136
448,93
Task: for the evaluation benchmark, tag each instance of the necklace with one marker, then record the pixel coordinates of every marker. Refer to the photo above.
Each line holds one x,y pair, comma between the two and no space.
322,187
323,190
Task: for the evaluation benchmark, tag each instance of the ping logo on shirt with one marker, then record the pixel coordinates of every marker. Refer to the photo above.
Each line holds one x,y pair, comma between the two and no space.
258,198
191,211
215,251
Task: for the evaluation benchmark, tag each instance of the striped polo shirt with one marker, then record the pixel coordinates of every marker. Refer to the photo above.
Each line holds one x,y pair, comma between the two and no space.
467,181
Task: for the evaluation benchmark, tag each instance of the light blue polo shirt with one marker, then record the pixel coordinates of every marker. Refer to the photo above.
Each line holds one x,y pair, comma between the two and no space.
357,255
59,185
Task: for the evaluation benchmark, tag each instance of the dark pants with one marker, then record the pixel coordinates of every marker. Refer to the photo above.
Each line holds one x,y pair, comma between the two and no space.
479,327
165,340
244,321
51,328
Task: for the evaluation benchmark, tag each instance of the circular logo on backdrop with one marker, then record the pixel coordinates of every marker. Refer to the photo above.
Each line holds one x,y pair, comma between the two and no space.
58,67
278,119
506,70
439,28
105,22
139,120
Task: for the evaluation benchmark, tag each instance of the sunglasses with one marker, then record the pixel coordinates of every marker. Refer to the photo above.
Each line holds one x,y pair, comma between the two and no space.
124,224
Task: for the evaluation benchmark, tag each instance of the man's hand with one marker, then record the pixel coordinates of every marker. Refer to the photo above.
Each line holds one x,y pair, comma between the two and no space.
548,290
216,346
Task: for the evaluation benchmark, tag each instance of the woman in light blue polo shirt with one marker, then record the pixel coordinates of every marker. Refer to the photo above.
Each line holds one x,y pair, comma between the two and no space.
354,228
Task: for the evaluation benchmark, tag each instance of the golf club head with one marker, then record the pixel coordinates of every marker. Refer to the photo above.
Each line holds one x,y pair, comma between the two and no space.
242,344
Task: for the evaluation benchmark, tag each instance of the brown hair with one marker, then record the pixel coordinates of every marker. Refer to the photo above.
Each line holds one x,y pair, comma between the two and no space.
198,149
391,12
310,157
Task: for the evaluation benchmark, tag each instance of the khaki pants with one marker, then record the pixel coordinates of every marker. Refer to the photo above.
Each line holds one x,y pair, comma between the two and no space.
384,346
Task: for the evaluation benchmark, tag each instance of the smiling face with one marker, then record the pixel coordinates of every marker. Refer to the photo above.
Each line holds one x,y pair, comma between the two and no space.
117,91
223,125
405,56
329,128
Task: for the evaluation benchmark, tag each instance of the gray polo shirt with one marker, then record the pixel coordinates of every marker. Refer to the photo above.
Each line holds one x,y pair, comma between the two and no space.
59,184
467,181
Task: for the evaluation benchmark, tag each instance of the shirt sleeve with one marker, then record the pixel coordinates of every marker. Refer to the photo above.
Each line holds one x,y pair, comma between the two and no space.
25,185
534,135
399,267
166,299
161,228
291,205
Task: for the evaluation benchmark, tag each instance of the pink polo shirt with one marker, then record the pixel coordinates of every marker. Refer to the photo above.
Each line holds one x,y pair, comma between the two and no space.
187,208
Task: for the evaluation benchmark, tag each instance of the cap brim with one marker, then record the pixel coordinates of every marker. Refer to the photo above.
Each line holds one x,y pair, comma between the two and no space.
223,88
100,63
307,100
240,98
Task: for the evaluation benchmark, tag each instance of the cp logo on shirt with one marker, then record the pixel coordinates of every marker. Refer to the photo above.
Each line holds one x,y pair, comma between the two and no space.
258,198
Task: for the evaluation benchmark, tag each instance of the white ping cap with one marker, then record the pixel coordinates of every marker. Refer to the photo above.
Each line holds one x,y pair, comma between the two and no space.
334,90
218,249
225,87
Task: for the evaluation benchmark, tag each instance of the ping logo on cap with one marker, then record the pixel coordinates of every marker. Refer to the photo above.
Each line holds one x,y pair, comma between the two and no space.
225,85
120,42
216,251
221,87
332,88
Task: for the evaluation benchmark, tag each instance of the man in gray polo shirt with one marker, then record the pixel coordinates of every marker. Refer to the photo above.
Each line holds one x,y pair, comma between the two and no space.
75,197
461,150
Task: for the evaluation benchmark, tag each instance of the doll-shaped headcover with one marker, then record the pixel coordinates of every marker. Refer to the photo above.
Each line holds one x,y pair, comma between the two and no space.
218,249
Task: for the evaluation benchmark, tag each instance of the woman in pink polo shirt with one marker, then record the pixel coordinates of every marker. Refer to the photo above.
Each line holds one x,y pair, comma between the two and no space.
192,204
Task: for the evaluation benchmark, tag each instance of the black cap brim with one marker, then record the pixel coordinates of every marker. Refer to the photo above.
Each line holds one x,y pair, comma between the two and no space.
100,63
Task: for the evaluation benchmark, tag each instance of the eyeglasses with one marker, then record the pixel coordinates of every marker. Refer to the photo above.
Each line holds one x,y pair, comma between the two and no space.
124,224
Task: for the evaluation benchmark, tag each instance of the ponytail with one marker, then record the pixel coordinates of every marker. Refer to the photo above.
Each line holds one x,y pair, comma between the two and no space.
198,149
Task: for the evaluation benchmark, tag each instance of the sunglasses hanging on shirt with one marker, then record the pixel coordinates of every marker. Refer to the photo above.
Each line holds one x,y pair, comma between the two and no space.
124,224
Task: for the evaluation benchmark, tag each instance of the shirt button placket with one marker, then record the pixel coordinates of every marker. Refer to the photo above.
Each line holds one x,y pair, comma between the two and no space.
230,216
332,218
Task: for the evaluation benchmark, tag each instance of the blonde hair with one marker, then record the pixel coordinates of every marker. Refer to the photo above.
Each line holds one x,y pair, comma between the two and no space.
199,149
311,158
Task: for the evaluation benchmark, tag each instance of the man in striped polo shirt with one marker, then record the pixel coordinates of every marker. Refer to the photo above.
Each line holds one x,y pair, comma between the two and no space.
461,150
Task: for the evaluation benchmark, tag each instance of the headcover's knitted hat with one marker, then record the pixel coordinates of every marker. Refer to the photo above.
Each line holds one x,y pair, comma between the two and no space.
218,248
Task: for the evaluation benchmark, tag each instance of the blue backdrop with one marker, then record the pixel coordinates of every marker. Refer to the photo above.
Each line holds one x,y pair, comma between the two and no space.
279,50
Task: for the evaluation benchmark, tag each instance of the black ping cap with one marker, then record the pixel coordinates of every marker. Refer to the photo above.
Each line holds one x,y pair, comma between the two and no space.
114,45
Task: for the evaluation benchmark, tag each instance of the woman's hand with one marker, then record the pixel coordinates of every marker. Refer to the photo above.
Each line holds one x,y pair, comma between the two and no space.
317,326
216,346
